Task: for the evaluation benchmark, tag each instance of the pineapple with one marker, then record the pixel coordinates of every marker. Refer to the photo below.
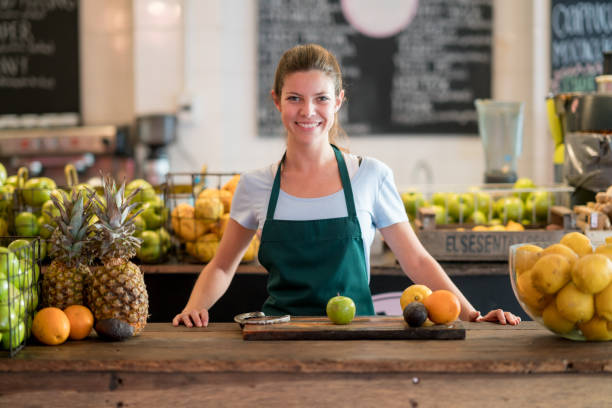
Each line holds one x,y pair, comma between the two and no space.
117,289
63,283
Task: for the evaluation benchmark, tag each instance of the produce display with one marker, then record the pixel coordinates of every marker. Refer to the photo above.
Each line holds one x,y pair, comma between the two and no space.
150,223
19,275
423,307
486,208
199,227
566,285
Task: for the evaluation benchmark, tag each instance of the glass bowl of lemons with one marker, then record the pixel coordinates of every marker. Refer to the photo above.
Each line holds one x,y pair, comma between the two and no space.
565,286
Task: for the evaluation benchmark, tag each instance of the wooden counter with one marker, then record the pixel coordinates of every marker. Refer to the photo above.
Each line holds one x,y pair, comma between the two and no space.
166,366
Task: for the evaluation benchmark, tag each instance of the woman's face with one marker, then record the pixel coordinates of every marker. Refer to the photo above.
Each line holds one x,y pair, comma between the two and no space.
307,105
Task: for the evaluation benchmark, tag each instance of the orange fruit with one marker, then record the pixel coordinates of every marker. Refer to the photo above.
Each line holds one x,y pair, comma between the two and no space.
442,306
51,326
81,321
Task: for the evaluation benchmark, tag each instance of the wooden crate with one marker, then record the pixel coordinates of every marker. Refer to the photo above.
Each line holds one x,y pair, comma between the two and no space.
450,244
453,245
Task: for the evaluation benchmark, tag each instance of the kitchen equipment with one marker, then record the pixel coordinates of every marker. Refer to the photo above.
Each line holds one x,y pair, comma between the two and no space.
500,125
259,318
46,151
586,125
155,132
361,328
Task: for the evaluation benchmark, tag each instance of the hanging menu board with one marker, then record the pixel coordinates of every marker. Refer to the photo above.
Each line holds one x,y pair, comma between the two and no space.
422,79
580,32
39,58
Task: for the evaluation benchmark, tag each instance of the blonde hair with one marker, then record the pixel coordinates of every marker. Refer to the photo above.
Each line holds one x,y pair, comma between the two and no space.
311,57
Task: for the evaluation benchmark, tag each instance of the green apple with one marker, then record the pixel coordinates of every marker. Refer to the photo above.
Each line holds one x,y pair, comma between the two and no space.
164,237
340,309
413,200
43,227
22,248
26,224
49,211
6,199
9,263
8,292
477,217
510,208
482,202
441,215
150,250
523,183
140,225
539,203
8,317
11,181
37,190
2,174
461,206
440,199
31,298
146,193
153,214
13,338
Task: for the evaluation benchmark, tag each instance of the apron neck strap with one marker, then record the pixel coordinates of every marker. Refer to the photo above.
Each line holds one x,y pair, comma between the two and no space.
344,177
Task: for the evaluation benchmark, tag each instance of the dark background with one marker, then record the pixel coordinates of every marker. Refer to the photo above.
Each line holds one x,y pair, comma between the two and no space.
40,23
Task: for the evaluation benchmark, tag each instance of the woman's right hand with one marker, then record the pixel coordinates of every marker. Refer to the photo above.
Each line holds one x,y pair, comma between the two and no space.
191,318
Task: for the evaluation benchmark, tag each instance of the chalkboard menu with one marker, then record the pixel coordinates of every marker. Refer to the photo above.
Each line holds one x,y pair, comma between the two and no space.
580,32
423,79
39,58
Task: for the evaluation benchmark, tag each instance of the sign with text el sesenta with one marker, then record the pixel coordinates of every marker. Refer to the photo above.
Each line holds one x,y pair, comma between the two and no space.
39,57
580,32
409,66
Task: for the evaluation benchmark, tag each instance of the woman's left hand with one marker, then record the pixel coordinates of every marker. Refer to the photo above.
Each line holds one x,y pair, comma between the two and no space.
496,316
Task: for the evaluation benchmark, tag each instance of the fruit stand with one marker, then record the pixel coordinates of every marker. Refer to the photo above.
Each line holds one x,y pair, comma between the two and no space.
522,365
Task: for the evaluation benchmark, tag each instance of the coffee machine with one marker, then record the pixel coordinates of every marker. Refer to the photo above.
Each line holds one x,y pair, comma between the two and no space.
155,132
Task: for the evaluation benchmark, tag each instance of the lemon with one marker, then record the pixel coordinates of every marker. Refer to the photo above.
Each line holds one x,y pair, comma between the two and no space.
529,294
550,273
578,242
561,249
497,228
525,257
596,329
603,303
609,240
414,293
574,305
592,273
554,321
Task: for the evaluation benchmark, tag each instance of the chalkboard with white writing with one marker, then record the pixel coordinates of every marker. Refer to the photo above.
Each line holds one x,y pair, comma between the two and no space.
39,57
421,77
580,32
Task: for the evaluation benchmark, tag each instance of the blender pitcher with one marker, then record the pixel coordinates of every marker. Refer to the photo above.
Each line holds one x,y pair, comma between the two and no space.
500,125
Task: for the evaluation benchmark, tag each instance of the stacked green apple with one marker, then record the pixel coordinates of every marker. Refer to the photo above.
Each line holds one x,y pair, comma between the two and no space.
31,217
524,204
19,273
150,223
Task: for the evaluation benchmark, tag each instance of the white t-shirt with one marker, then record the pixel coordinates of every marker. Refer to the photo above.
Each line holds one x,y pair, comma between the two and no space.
377,201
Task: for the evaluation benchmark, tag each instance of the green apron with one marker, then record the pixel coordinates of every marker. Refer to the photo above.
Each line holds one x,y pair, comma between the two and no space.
309,262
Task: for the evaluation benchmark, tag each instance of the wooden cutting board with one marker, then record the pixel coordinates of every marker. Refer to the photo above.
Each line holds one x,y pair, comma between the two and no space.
361,328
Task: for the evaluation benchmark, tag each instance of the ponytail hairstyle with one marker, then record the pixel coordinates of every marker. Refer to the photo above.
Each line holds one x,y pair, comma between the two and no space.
311,57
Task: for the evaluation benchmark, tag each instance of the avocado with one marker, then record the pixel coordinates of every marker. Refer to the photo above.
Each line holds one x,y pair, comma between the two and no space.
415,314
114,329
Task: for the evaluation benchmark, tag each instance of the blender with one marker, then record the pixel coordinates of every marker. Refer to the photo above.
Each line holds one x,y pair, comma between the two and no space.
500,125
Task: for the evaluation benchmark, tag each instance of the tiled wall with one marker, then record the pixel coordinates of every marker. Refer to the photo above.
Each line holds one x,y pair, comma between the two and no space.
207,59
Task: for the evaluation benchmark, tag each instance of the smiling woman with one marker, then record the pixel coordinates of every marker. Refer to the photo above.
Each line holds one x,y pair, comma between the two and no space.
318,210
